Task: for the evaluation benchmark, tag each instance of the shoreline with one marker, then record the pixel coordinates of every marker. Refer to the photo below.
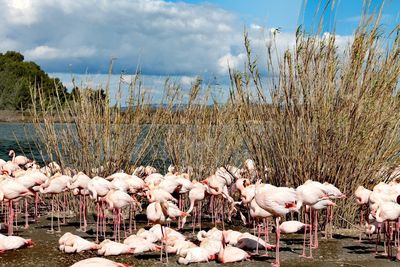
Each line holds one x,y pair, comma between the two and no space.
14,116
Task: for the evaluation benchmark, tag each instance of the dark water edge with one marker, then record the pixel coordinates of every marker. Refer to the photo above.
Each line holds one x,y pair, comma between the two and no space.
20,137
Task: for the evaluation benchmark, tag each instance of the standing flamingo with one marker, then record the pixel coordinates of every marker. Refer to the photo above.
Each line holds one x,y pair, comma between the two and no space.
278,201
11,190
117,200
196,195
54,186
362,198
98,188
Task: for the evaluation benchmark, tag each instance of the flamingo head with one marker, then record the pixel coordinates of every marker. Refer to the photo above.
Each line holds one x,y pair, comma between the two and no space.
205,182
11,153
29,242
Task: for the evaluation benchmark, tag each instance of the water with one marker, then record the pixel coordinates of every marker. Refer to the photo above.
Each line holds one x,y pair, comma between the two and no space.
20,137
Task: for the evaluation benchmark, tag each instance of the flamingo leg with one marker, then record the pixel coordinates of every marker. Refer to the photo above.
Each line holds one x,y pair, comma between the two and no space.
65,207
16,214
52,213
58,212
378,238
194,219
200,207
222,213
103,212
130,219
115,225
331,222
84,214
385,253
361,221
26,214
327,216
314,214
134,219
163,244
36,205
258,237
10,218
97,222
212,208
80,212
180,208
278,236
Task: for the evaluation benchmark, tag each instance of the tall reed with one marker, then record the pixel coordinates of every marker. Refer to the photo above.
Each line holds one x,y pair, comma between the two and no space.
200,133
326,114
88,133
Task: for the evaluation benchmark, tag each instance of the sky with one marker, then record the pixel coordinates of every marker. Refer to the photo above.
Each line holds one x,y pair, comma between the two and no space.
182,39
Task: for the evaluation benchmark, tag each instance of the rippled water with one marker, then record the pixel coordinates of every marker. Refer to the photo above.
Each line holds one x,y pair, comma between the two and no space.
19,137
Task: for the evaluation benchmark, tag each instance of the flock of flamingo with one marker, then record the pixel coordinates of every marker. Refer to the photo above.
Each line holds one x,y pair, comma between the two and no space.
173,197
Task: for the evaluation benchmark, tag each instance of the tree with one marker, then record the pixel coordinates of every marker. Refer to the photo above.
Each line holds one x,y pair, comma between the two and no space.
17,77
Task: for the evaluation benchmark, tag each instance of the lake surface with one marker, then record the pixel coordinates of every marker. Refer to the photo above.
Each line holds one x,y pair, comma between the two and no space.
20,137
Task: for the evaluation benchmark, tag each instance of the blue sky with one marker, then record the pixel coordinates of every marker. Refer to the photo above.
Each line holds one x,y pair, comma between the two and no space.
344,15
166,38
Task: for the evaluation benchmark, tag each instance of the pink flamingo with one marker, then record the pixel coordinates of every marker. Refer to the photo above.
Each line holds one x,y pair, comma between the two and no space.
11,190
278,201
160,213
92,262
98,188
386,212
70,243
13,242
54,186
194,255
19,160
231,254
362,198
79,186
30,180
256,212
111,248
196,195
117,200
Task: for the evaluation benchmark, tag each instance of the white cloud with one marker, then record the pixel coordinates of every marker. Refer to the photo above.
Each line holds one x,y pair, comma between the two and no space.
20,12
169,38
231,61
45,52
165,38
187,80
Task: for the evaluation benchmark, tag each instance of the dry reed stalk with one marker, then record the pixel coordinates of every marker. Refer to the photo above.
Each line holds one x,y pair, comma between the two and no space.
200,134
87,132
327,116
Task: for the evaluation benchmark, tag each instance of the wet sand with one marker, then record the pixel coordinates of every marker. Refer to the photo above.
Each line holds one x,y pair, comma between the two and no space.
343,250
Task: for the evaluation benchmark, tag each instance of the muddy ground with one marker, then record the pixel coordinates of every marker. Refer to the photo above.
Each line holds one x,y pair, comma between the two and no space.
343,250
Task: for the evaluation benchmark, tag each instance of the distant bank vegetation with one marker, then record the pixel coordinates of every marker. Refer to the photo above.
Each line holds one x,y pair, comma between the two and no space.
17,77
